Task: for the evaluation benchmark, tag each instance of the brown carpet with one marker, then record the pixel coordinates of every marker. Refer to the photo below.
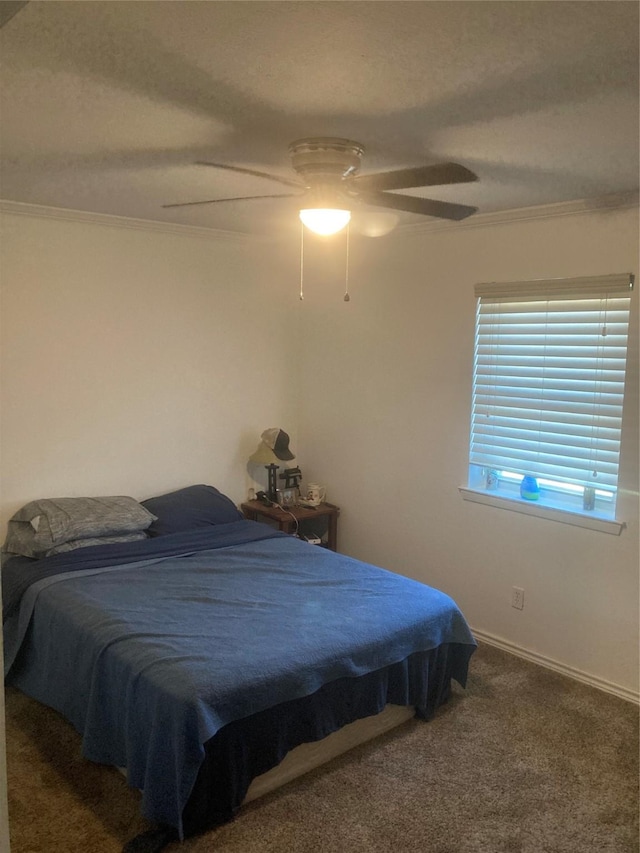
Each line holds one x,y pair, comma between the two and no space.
524,761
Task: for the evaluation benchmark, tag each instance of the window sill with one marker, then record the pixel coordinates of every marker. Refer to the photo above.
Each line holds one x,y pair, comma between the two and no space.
578,519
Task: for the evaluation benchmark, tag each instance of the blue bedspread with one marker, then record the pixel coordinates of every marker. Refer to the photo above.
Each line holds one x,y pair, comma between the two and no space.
151,657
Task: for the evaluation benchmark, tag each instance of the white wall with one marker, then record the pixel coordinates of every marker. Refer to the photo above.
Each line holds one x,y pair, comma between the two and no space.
136,361
385,413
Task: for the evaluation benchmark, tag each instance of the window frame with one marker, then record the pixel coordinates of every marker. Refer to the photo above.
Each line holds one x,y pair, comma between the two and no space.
560,502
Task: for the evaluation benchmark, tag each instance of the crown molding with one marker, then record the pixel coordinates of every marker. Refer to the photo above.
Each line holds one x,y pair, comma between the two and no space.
615,201
20,208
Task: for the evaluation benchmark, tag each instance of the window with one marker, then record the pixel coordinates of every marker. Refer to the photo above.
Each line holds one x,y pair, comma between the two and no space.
548,390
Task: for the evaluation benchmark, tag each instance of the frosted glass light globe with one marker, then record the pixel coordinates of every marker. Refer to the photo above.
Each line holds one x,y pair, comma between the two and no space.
325,221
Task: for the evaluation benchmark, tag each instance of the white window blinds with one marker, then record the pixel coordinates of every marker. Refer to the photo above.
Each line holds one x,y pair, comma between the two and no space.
549,376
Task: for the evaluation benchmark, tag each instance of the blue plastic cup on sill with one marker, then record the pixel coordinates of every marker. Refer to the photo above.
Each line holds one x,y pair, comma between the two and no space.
529,489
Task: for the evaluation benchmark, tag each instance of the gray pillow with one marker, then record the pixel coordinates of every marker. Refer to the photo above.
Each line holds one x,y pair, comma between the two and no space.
42,525
73,544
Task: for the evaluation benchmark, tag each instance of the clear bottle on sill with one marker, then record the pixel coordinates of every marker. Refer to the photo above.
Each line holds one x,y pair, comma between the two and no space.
589,499
490,479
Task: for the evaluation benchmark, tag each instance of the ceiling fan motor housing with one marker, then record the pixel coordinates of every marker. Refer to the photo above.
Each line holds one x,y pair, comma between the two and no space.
325,159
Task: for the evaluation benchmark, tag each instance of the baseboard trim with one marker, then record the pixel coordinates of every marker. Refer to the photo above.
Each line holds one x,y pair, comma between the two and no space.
556,666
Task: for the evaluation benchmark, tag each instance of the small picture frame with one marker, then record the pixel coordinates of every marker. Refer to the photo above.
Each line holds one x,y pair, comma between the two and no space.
288,497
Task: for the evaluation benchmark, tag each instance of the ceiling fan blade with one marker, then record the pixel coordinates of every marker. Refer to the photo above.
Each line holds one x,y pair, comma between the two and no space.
413,204
240,198
420,176
253,172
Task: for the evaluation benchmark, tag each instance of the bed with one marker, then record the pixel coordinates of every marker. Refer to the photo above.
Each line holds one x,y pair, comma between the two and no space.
198,655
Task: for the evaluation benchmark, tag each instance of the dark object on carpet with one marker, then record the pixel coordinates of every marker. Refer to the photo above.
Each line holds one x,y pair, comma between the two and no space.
151,841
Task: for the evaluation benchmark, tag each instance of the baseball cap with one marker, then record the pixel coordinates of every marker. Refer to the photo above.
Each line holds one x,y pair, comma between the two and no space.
277,440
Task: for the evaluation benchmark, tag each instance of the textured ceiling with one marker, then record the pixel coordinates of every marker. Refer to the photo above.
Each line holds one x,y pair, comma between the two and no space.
106,105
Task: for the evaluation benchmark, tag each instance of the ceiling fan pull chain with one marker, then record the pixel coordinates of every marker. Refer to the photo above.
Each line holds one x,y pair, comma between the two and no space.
301,262
347,298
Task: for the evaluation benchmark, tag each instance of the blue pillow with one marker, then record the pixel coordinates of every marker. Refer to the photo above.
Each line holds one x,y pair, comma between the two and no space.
190,509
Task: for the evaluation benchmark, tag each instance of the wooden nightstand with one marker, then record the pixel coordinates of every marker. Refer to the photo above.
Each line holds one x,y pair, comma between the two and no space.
322,522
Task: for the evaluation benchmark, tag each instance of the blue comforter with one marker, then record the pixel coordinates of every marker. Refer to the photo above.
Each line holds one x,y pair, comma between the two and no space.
149,651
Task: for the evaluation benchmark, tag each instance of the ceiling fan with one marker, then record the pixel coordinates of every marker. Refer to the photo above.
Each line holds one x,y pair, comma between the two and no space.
329,184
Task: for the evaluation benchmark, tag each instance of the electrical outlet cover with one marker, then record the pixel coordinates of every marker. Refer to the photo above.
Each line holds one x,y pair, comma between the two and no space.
517,597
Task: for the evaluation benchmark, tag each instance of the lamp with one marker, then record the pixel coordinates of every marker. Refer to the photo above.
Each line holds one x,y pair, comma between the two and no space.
272,450
325,220
265,456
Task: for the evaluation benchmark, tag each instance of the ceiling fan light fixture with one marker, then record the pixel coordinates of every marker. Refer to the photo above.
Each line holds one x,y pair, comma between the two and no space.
325,220
374,224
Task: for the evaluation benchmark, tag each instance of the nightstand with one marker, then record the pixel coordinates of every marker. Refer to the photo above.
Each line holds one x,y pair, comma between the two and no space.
322,522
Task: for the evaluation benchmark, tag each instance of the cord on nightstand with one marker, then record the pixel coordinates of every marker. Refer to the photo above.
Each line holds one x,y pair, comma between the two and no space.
282,509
